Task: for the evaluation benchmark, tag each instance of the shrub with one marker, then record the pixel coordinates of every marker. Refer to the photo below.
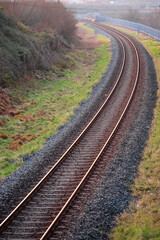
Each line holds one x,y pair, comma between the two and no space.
41,15
22,52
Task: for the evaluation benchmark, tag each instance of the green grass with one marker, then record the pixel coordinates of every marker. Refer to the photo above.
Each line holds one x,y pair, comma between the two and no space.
142,222
49,102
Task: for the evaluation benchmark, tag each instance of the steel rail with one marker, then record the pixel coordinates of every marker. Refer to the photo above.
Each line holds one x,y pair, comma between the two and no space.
70,199
29,195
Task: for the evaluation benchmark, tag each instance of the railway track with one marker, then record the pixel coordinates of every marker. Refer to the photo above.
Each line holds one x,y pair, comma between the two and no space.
40,211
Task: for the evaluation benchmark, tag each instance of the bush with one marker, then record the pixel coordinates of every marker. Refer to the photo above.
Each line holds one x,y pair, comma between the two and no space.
22,52
41,15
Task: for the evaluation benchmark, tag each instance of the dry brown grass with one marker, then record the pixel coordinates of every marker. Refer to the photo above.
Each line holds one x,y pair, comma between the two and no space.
20,139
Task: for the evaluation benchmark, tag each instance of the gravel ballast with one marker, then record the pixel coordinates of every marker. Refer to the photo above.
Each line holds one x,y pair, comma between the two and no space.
113,193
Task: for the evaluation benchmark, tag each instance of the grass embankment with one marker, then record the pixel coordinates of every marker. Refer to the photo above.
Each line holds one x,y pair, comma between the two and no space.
24,50
46,103
142,222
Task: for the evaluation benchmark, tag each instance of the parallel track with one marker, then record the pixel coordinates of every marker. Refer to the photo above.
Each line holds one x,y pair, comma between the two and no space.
40,211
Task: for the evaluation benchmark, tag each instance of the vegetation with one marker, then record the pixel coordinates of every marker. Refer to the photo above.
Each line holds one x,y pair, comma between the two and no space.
150,18
23,50
142,221
44,102
42,16
136,11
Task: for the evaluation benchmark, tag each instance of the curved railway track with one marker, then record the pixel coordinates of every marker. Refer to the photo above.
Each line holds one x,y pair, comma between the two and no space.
41,210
